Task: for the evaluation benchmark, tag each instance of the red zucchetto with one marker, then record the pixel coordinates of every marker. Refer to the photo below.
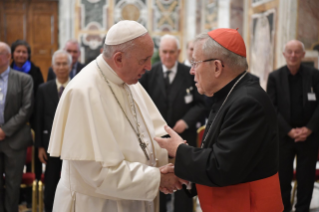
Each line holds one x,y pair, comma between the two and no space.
229,39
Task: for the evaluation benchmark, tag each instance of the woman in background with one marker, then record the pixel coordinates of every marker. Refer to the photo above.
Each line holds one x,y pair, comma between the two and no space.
21,54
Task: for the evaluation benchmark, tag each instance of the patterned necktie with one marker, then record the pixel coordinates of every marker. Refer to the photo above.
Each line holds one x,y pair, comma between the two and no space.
61,89
166,79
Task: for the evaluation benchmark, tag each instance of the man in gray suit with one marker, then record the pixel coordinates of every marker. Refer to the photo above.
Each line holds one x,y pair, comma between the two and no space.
15,134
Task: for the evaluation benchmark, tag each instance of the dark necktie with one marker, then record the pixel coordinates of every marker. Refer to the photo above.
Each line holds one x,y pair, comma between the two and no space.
61,89
166,79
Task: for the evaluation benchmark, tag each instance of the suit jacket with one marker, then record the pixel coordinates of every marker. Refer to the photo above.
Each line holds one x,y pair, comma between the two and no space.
17,111
279,92
173,107
51,74
47,102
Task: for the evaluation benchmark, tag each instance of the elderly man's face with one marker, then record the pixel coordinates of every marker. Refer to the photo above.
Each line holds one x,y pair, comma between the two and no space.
203,72
4,58
293,53
168,52
73,50
137,61
61,67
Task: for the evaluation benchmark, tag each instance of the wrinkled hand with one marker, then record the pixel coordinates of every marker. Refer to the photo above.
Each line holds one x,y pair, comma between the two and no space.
180,126
42,155
170,144
302,134
2,135
169,168
293,133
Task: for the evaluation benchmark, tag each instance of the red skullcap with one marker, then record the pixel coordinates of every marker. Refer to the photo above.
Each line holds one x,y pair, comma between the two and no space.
229,39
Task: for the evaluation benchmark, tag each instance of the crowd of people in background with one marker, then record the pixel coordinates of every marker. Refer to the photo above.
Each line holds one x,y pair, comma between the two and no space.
27,102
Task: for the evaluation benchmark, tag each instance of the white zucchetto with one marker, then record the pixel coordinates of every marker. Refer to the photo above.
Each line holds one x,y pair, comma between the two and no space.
124,31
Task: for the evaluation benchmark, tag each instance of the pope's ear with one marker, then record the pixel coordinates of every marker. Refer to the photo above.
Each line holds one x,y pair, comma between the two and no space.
118,59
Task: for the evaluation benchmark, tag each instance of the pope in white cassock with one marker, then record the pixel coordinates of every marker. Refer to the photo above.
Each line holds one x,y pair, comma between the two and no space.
104,128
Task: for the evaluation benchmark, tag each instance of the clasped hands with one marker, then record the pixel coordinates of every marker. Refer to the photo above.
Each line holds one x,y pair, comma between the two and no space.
169,181
299,134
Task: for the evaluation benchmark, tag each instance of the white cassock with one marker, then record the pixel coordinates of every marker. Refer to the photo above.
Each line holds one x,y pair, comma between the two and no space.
104,167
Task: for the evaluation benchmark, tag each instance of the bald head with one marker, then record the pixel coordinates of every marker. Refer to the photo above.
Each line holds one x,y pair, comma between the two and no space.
295,42
5,47
294,51
5,56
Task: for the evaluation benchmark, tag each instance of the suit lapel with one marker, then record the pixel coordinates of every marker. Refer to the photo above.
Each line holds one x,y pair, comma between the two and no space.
10,87
286,90
160,82
306,79
53,91
177,83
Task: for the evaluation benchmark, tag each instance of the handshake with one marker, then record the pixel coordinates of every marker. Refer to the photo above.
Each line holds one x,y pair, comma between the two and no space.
169,181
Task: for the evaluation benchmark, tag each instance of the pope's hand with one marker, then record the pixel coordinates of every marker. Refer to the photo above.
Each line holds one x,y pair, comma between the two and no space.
169,182
170,144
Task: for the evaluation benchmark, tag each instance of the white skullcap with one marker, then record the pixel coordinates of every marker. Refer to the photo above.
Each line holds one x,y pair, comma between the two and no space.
124,31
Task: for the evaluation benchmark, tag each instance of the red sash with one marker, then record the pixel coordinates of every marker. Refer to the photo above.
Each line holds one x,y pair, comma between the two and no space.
258,196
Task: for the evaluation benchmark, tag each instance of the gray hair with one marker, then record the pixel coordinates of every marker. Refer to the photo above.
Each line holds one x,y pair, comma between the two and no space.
302,45
211,47
73,41
171,37
6,46
110,50
62,52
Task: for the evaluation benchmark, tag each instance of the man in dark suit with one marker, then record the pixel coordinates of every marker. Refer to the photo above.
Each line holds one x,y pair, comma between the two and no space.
294,90
16,96
173,91
73,48
48,97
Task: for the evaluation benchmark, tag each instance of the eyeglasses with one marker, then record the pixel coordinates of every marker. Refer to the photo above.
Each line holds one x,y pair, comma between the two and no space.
194,64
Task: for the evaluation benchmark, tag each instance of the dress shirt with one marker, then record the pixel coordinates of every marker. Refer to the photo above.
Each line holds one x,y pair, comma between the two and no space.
187,63
58,84
4,87
173,72
296,99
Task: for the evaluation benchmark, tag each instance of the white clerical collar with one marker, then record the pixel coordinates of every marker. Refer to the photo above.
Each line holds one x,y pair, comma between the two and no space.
110,74
58,84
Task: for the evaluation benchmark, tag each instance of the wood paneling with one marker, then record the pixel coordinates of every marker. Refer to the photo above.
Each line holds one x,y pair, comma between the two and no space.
34,21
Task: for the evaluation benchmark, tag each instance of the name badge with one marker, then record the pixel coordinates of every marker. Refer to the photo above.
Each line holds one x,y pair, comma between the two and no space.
188,98
312,97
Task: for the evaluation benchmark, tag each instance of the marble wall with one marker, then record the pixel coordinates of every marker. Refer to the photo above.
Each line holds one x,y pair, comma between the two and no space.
90,20
266,25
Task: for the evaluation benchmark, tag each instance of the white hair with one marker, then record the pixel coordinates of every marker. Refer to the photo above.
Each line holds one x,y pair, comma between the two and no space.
62,52
110,50
171,37
6,46
302,45
213,49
